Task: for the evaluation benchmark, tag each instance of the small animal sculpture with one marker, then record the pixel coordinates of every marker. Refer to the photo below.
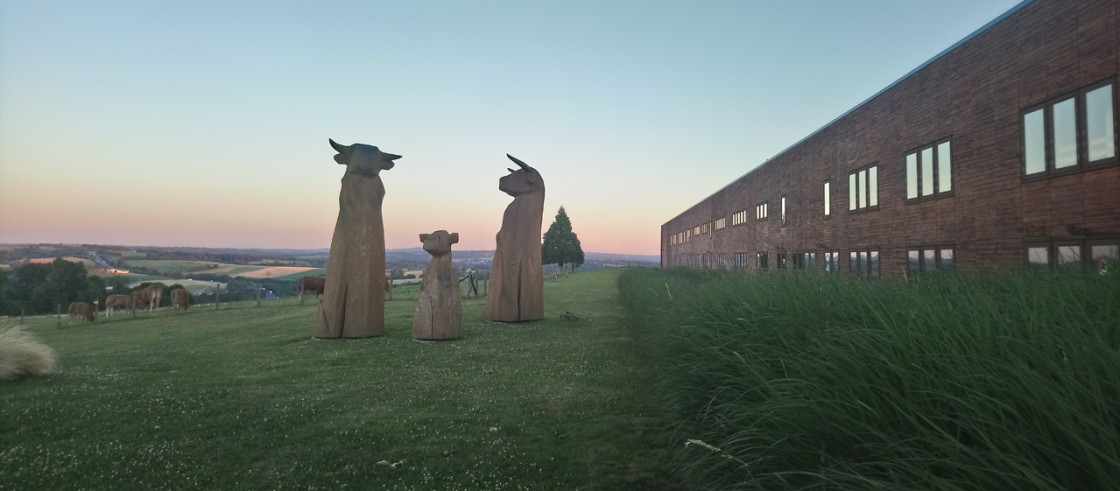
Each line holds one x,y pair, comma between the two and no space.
516,291
180,299
116,301
353,302
439,309
149,296
81,311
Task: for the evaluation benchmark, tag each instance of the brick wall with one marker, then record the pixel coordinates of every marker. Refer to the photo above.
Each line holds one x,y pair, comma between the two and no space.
974,94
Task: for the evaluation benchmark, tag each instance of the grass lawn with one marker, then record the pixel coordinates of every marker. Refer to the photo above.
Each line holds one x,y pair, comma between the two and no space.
243,398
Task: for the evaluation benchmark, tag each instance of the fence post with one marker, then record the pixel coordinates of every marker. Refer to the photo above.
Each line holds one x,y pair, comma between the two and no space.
58,311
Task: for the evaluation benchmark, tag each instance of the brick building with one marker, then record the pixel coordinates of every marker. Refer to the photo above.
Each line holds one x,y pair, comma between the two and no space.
999,152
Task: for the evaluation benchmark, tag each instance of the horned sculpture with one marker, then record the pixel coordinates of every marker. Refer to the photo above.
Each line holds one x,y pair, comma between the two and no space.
439,310
516,290
353,301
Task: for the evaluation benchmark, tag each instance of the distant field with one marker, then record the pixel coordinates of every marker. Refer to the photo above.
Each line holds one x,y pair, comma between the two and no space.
170,267
309,272
276,271
206,267
234,269
47,260
129,277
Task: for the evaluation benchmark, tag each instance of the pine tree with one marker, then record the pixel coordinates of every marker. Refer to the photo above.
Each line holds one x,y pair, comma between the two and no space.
561,244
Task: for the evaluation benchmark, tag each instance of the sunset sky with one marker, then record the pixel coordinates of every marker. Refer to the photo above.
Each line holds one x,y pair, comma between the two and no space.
205,123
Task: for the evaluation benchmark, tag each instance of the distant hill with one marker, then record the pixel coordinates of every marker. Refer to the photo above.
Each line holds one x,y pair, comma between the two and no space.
413,257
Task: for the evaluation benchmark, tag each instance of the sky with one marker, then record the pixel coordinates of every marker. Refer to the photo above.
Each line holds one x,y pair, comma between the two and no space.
205,123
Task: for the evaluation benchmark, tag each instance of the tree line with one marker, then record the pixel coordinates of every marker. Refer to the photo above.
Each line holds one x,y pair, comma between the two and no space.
41,288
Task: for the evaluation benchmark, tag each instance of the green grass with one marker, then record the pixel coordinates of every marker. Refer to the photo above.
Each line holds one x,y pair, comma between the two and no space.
996,381
243,398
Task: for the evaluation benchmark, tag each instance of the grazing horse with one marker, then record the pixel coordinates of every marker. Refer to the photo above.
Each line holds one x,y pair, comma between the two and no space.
150,296
310,284
81,310
180,299
116,301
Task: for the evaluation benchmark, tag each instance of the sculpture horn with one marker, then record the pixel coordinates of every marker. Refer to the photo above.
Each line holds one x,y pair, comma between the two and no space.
520,163
343,149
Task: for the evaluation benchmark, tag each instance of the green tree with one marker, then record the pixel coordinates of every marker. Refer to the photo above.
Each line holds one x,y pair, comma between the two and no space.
39,288
67,282
561,244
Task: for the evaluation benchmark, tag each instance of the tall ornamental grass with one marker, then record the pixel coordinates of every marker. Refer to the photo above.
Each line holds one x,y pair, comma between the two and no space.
985,381
22,355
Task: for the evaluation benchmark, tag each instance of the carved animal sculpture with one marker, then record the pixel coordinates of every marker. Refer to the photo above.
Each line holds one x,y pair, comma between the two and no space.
150,296
516,291
81,311
439,308
180,299
353,302
115,302
310,284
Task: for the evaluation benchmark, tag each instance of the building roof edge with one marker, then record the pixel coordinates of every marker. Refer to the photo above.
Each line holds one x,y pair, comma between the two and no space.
936,57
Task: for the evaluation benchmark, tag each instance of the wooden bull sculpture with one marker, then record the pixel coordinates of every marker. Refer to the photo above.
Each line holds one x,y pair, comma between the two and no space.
516,291
353,302
439,310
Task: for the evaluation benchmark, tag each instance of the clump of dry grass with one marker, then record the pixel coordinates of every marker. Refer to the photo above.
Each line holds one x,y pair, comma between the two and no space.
21,355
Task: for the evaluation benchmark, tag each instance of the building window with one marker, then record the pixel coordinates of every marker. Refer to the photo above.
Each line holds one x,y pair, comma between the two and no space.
929,171
1070,132
721,223
864,263
762,261
863,188
760,211
831,262
739,260
1104,257
1098,256
783,210
805,260
739,217
781,260
926,260
827,199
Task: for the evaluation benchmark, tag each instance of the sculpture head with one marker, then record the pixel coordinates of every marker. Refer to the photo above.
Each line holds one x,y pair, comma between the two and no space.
438,243
363,159
522,181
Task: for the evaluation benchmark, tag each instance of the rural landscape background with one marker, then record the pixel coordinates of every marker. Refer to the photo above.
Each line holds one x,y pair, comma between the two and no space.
194,136
91,272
